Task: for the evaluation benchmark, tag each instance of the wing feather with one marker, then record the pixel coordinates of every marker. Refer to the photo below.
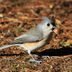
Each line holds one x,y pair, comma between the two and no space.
31,36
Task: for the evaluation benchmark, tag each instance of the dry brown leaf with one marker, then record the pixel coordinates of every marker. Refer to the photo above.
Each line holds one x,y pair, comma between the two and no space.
1,15
58,21
23,17
51,6
13,19
69,41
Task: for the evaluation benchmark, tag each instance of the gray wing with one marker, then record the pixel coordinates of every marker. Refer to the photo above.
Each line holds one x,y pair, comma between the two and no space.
31,36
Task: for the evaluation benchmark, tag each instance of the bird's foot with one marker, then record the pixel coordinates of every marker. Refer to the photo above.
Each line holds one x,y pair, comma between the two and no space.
35,61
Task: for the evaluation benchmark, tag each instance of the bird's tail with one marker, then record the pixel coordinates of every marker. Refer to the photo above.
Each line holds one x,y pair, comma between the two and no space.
7,46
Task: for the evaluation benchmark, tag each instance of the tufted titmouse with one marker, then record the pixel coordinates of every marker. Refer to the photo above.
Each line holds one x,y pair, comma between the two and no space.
34,38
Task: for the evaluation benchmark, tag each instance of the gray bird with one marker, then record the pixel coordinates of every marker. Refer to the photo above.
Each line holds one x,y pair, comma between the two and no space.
34,38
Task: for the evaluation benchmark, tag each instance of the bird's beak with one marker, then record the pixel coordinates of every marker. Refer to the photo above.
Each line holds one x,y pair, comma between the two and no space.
53,28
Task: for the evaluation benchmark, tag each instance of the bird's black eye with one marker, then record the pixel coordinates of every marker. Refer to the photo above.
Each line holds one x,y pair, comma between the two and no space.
48,24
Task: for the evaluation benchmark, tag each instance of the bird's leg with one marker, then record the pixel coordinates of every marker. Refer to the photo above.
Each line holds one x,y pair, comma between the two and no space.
29,52
33,60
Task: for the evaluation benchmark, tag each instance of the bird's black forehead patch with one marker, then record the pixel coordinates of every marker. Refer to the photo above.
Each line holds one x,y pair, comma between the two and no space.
53,23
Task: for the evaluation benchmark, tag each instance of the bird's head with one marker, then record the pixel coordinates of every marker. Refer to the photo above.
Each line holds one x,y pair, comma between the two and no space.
46,26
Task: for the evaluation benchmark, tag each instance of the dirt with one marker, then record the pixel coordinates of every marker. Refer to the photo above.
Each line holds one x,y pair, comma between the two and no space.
18,16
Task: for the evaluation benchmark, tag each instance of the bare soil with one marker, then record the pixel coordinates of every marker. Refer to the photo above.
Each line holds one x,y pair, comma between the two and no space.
18,16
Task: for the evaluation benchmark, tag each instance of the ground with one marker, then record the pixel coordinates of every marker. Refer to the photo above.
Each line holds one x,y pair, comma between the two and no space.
18,16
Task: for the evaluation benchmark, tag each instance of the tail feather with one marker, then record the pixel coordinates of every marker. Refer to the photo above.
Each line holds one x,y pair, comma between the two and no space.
7,46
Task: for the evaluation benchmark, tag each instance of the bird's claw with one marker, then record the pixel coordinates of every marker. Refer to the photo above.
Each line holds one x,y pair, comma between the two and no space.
35,61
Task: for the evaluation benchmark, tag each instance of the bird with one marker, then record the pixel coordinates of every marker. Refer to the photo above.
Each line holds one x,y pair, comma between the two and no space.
33,39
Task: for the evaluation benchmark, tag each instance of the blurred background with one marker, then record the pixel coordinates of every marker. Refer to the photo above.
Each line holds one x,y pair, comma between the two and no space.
18,16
